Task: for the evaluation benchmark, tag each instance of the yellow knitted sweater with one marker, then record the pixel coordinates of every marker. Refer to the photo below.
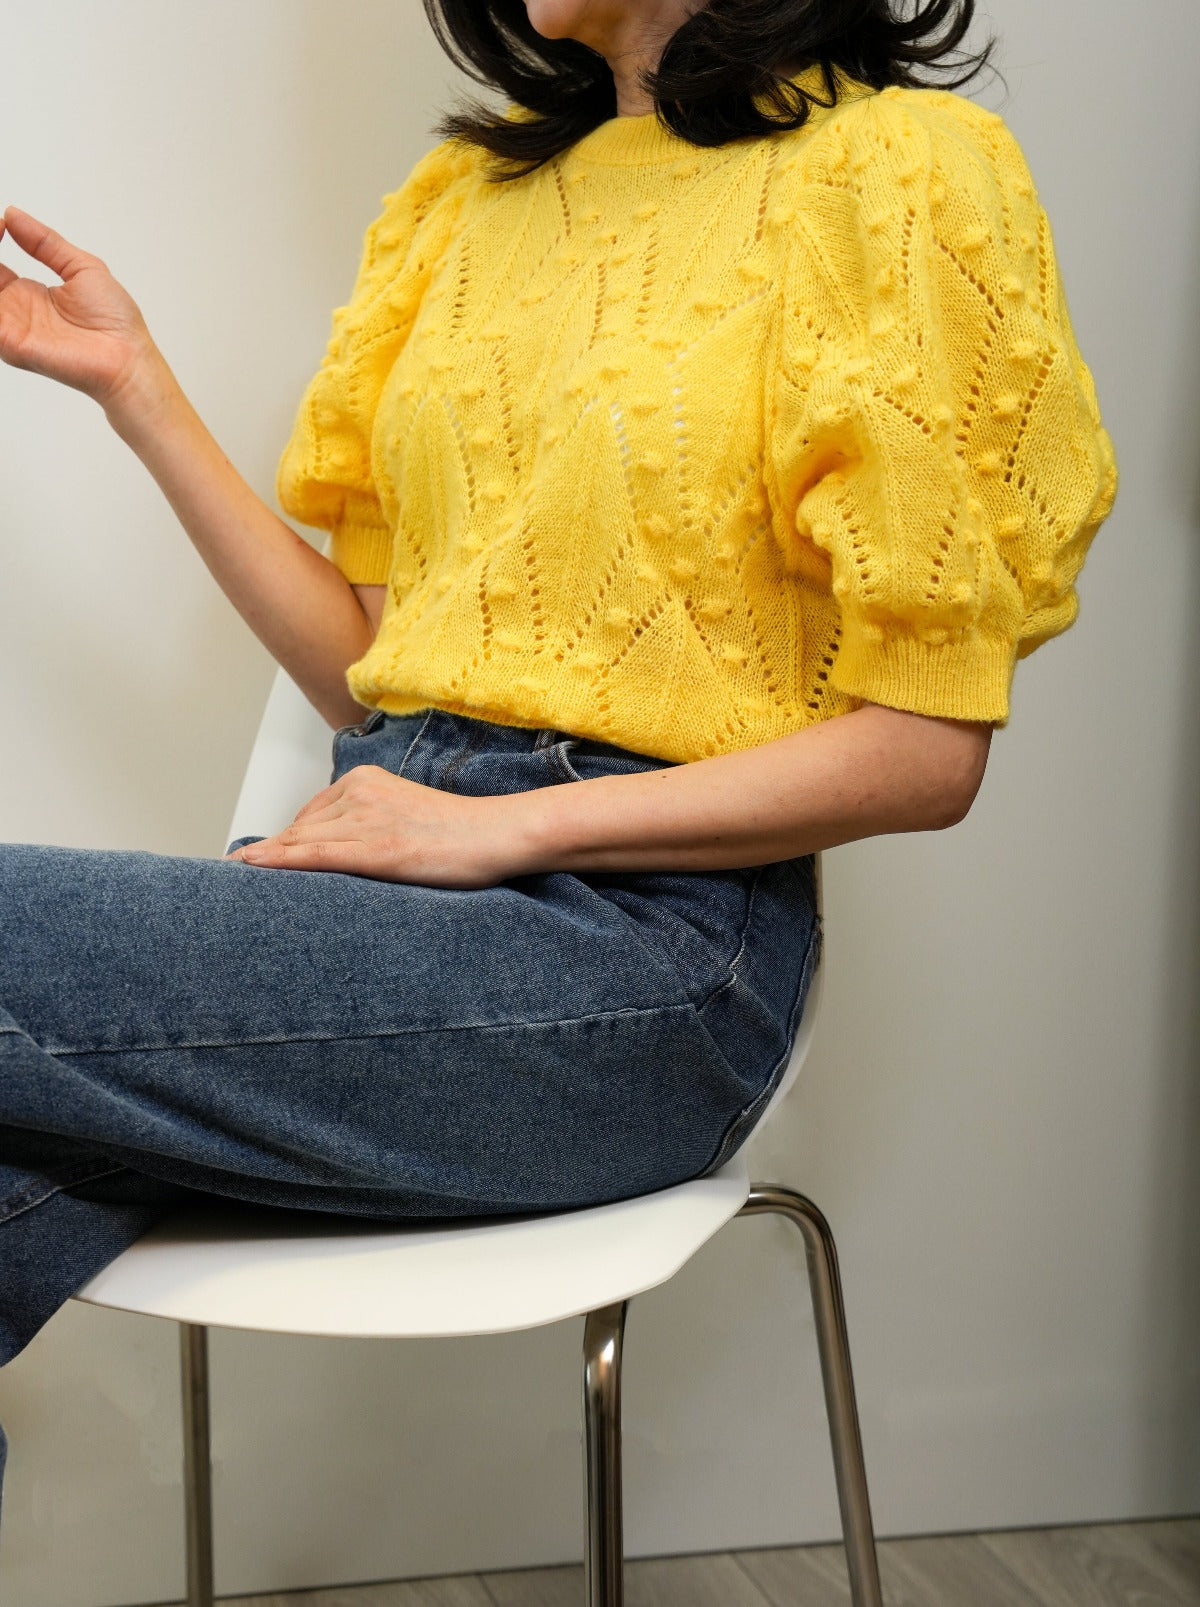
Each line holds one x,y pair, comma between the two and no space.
684,449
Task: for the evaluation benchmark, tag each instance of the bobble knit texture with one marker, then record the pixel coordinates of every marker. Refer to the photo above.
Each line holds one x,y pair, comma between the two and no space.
685,449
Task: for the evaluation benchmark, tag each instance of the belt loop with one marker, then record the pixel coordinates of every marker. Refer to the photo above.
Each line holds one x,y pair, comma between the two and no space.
546,738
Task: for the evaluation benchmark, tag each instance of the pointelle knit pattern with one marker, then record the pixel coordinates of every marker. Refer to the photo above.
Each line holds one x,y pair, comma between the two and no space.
685,449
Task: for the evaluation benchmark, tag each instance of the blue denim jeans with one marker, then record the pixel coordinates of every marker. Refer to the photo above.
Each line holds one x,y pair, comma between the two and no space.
174,1028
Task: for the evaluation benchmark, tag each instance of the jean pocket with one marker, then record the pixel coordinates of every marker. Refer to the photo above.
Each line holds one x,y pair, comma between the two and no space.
558,758
584,759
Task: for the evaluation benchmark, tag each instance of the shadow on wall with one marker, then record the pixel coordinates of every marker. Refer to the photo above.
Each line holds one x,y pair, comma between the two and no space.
389,60
1170,1454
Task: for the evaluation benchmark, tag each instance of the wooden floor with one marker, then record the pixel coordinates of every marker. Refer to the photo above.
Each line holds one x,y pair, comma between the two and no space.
1106,1565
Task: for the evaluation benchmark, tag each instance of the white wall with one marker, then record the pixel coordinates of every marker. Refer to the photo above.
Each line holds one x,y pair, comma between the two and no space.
1002,1112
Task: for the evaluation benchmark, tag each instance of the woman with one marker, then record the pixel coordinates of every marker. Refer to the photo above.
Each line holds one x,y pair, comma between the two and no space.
693,487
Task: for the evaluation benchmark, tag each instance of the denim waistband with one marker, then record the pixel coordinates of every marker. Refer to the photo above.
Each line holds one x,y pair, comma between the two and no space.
439,731
460,753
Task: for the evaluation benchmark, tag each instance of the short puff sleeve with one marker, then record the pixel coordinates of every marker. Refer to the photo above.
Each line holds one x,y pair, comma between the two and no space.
325,476
937,441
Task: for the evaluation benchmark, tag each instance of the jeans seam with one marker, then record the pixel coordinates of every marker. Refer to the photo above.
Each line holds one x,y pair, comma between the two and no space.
420,733
37,1194
449,775
728,981
815,941
664,958
366,1037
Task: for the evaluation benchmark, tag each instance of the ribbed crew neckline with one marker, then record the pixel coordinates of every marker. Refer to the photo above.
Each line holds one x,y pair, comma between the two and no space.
636,140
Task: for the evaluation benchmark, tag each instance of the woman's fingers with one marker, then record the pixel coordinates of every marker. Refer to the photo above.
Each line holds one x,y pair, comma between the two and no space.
320,824
321,800
39,241
317,814
288,852
331,801
314,820
6,274
319,853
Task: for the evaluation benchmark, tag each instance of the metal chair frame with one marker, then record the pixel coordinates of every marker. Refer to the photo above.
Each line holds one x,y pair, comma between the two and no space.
603,1342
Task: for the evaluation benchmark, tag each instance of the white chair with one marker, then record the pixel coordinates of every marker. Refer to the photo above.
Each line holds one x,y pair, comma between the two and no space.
292,1272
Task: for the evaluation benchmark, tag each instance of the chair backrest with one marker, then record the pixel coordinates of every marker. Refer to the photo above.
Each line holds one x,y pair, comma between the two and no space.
290,761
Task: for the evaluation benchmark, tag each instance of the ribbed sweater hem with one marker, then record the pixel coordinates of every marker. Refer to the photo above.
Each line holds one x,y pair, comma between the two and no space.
968,679
363,552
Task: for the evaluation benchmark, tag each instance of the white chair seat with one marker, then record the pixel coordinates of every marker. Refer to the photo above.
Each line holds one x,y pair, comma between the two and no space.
307,1273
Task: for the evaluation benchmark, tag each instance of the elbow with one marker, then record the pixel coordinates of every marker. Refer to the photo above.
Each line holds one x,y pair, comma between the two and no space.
958,779
934,765
948,811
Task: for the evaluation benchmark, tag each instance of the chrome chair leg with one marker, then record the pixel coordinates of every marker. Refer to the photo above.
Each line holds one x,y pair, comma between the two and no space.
603,1545
197,1467
834,1348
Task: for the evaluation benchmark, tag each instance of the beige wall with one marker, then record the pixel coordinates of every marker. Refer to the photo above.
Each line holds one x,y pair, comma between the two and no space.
1002,1111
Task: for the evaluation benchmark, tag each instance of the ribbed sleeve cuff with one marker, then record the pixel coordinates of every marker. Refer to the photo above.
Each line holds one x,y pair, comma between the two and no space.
361,546
967,679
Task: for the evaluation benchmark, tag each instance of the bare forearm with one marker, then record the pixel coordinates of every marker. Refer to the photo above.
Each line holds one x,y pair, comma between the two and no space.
860,775
295,601
876,770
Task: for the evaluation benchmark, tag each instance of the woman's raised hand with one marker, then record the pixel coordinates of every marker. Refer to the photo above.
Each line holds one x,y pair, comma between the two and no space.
86,332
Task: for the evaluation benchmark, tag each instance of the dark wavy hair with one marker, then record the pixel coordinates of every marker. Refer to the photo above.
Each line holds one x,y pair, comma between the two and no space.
712,69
